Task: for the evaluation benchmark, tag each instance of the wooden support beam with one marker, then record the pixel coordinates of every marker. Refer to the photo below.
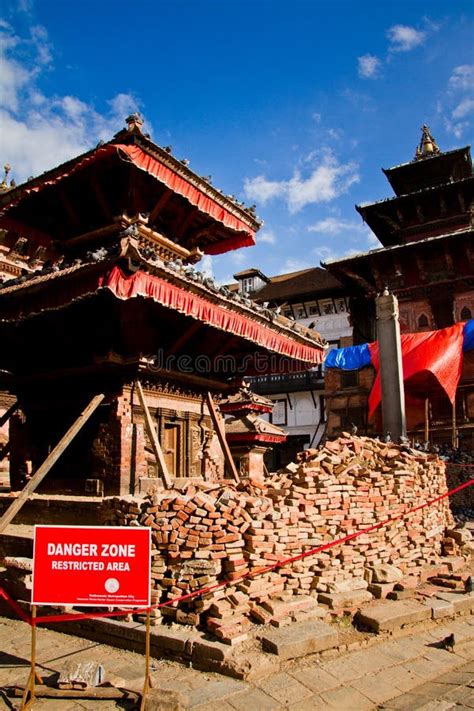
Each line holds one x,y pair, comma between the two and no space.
184,223
50,460
184,338
11,411
101,199
71,212
157,451
219,428
159,205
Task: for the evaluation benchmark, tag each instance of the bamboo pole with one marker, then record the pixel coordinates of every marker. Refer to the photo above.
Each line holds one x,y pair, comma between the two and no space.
427,420
50,460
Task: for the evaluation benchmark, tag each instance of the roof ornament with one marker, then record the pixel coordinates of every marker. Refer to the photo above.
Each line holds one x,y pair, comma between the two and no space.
4,187
428,146
134,123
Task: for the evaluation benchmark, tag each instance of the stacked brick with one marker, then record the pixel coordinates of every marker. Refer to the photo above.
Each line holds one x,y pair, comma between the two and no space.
205,535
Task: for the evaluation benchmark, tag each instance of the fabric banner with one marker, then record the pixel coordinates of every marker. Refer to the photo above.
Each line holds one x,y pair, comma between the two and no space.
216,315
438,352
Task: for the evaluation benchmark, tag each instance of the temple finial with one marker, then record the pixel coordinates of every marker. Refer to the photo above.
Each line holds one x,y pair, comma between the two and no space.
428,146
134,123
4,184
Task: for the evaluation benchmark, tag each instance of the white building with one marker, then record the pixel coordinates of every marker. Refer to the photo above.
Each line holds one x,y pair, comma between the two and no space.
316,299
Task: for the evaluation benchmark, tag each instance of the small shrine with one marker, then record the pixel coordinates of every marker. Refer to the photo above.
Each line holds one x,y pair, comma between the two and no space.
248,434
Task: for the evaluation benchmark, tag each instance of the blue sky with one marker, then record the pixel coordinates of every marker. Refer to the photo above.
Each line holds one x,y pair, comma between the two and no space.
294,105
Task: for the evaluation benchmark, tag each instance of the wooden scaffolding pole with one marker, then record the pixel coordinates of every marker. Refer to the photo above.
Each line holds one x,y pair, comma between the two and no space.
427,420
454,437
219,428
50,460
158,452
11,410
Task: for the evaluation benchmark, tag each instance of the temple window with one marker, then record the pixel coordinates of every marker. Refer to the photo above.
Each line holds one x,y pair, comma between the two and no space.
423,321
466,313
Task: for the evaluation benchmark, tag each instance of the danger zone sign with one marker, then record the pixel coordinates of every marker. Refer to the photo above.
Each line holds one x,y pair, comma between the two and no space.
97,566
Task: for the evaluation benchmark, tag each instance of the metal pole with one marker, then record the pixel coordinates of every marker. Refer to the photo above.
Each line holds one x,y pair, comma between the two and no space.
391,369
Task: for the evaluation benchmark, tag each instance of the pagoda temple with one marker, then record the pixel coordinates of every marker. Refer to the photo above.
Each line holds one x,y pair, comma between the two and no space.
112,310
426,260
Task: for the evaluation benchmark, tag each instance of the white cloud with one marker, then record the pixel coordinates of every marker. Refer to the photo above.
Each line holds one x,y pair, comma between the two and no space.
263,190
266,236
205,265
368,66
458,103
316,117
462,77
41,131
334,226
403,38
464,108
325,183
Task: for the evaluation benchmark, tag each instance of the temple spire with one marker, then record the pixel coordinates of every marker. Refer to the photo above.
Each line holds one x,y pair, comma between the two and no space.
428,146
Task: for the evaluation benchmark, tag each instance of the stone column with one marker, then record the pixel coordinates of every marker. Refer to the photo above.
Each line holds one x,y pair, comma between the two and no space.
391,370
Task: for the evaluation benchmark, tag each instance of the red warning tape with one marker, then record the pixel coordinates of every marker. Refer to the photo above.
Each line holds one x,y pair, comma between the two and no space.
203,591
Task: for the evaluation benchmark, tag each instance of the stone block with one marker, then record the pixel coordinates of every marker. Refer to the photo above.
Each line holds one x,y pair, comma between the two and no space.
345,599
165,700
387,616
386,574
440,608
380,590
207,649
462,602
300,639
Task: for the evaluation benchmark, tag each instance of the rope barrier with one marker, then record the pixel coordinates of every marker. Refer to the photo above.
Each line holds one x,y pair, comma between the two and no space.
216,586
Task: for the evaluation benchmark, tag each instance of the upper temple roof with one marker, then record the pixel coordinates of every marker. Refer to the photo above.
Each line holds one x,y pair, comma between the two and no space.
128,175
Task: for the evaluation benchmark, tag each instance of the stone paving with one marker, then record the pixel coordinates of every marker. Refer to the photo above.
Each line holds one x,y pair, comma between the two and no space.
401,673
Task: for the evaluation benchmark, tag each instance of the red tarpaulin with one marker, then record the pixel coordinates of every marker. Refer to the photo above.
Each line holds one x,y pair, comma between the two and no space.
438,352
178,184
216,315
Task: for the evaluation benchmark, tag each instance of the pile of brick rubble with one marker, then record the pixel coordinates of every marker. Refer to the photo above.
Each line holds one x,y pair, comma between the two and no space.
202,535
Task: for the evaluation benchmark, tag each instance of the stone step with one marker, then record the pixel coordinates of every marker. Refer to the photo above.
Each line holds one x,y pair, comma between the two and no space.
386,616
300,639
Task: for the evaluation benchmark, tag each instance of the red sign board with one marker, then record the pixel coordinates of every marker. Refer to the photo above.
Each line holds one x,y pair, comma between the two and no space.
91,566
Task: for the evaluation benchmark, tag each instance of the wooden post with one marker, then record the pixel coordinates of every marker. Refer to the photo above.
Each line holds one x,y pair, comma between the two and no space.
218,426
5,450
158,452
11,410
147,683
27,703
454,433
427,420
50,460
